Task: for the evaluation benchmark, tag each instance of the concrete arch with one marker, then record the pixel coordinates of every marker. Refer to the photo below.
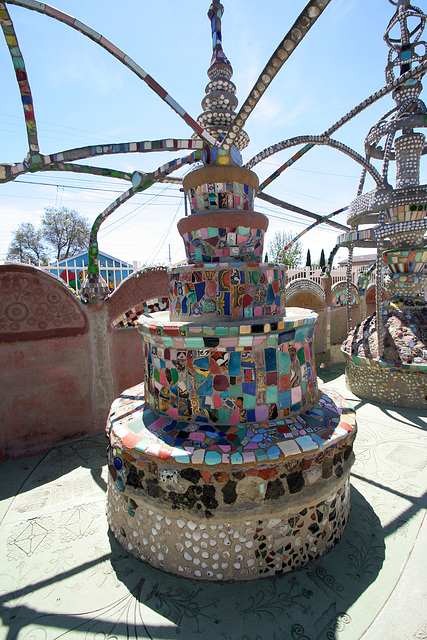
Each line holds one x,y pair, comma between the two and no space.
371,293
305,293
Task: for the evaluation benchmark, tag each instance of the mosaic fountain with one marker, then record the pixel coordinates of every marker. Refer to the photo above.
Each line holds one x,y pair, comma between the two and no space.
228,462
386,355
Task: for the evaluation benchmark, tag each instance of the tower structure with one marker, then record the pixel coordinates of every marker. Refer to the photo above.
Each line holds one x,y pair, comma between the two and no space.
228,462
386,353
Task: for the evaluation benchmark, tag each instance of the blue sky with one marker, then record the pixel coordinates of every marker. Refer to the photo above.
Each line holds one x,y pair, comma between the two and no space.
82,95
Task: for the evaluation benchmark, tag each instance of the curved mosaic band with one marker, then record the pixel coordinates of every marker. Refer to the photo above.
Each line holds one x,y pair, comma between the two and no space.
407,261
364,237
129,319
258,377
232,290
224,236
368,237
406,212
391,199
193,335
216,187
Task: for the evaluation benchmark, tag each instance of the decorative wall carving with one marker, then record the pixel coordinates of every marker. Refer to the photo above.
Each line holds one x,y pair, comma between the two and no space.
35,305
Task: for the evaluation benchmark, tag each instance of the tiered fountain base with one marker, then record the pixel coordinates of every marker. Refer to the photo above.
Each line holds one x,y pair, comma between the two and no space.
270,500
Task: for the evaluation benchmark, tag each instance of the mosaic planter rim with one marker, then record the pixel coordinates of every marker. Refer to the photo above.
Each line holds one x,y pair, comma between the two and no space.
135,429
157,324
412,212
218,173
382,365
404,253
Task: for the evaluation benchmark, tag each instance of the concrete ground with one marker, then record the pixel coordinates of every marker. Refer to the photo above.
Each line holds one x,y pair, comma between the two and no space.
63,574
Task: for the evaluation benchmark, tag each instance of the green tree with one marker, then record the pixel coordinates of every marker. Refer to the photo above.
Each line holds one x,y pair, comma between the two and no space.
292,256
322,261
66,231
308,260
27,245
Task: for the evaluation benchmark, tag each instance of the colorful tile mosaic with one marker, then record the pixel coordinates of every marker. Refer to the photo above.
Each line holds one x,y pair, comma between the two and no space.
264,368
273,377
128,320
339,295
135,431
405,260
406,213
227,244
221,195
235,290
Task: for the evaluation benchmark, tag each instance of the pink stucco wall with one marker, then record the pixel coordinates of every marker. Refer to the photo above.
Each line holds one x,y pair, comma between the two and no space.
61,363
46,393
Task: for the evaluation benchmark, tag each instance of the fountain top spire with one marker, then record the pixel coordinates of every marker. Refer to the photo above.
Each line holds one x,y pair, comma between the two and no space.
215,13
220,102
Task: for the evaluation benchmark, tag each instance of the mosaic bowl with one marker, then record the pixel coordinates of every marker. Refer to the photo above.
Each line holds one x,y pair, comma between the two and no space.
405,260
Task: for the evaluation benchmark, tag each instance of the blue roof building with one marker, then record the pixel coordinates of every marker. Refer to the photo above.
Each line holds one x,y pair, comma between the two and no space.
73,269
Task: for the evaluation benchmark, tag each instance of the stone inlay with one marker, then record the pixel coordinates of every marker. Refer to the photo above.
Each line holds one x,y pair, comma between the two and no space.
238,550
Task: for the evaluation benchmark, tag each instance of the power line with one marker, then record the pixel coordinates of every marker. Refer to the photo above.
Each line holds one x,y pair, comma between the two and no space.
52,124
135,211
80,188
167,233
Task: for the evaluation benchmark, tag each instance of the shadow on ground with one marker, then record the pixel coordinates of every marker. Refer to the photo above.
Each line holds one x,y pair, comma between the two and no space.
412,417
309,604
34,472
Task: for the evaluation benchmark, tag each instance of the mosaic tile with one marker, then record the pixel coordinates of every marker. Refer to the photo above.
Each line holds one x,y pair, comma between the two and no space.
330,419
226,289
226,244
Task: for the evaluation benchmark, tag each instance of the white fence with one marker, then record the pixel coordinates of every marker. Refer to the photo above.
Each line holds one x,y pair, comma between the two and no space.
338,275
